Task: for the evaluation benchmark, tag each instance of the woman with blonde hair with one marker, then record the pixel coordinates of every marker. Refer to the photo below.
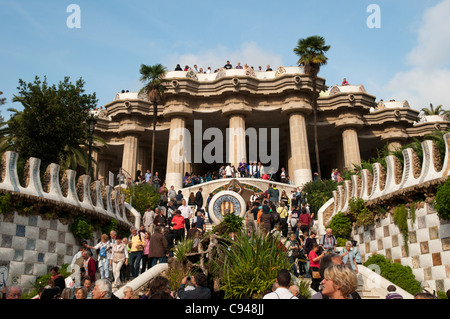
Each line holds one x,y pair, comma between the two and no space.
339,282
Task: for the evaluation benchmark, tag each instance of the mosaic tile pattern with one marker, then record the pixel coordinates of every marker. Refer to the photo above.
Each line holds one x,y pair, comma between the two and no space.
429,246
30,246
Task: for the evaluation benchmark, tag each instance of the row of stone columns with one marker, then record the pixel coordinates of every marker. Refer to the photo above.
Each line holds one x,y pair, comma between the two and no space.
299,160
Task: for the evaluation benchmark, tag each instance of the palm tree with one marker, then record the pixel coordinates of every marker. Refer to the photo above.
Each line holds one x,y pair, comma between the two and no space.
311,52
154,78
435,111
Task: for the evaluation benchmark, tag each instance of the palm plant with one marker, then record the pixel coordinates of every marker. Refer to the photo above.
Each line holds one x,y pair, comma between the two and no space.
154,78
439,110
311,52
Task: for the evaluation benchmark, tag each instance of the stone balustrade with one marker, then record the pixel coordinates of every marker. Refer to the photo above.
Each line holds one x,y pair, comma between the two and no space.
91,198
395,179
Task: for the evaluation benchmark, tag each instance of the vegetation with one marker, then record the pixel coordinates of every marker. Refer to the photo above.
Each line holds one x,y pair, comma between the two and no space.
311,52
82,228
154,78
319,192
442,200
41,281
401,220
342,227
141,195
398,274
231,223
439,110
251,265
52,125
358,212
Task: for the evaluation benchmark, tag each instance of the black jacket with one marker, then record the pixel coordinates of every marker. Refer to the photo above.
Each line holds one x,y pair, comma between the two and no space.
198,293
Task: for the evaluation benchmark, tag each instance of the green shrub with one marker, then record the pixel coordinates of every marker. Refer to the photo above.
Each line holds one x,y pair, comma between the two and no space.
319,192
251,265
360,213
396,273
341,225
82,228
5,203
141,195
442,200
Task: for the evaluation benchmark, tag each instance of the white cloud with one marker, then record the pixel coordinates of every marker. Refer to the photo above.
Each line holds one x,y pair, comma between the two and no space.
428,79
249,53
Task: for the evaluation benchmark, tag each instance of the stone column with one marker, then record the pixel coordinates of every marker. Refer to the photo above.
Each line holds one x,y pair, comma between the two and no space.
179,145
300,165
237,145
129,158
236,111
141,165
350,144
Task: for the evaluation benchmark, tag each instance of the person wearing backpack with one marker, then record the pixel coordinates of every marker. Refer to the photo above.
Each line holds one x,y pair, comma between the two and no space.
103,248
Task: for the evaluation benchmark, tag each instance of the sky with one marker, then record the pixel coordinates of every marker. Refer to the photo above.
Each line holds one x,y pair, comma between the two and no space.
397,49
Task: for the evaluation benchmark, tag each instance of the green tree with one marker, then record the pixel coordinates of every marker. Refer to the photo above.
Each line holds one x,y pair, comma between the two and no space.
141,195
311,52
154,78
53,123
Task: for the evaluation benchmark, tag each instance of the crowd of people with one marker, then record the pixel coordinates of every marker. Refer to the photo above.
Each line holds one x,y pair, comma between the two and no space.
227,66
108,265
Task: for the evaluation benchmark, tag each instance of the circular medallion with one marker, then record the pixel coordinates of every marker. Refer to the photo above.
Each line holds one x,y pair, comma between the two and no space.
226,202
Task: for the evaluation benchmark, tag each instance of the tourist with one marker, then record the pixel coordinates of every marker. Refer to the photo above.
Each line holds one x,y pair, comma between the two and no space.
274,194
200,291
159,285
304,220
89,264
88,284
171,193
58,279
67,293
13,292
136,245
159,250
328,242
148,219
186,213
295,290
266,219
348,257
199,221
146,263
102,289
327,261
250,218
147,176
228,65
178,68
339,282
356,252
392,293
103,262
283,213
160,219
128,293
81,293
345,82
198,200
314,263
268,68
119,257
293,251
156,181
125,269
293,219
239,66
178,222
282,292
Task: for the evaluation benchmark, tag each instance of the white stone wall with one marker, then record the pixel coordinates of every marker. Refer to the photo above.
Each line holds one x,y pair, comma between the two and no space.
429,246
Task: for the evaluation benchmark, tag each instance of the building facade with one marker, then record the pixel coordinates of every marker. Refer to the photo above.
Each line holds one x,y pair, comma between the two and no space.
208,120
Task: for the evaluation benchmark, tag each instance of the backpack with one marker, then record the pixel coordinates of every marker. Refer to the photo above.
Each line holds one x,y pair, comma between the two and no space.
103,251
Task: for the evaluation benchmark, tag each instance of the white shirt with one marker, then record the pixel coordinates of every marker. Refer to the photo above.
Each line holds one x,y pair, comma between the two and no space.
280,293
228,171
149,215
186,211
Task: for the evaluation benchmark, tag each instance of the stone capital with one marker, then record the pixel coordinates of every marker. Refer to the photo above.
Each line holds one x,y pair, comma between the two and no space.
299,106
345,121
238,108
177,110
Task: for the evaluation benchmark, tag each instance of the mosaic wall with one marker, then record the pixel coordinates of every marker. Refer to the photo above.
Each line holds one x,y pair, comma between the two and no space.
30,246
429,246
